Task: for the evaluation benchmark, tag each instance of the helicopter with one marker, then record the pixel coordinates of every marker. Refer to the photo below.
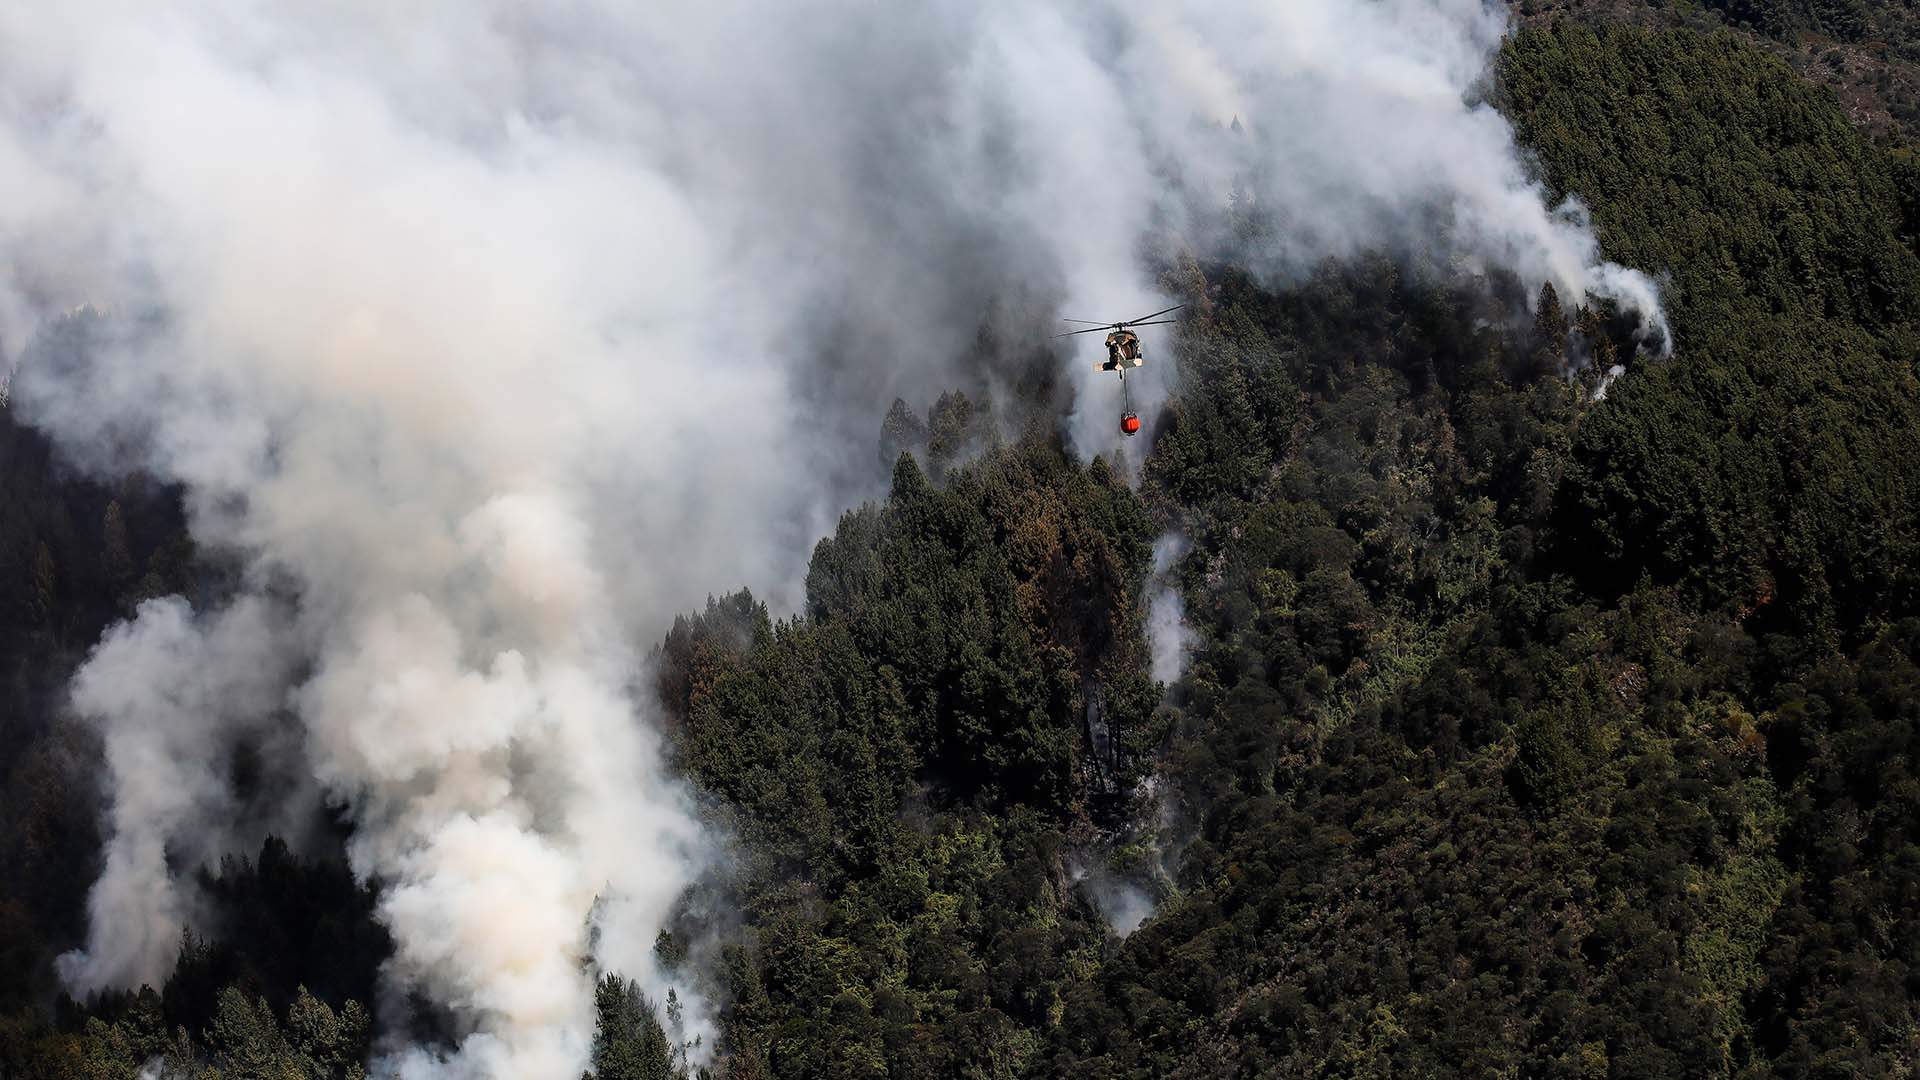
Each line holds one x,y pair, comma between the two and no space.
1123,352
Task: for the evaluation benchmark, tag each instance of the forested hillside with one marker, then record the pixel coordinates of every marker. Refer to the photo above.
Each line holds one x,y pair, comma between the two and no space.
1867,52
73,556
1535,722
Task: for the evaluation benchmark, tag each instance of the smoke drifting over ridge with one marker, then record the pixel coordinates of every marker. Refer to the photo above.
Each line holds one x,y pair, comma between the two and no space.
490,335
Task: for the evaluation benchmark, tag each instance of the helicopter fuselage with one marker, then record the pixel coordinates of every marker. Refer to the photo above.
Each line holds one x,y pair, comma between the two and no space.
1123,351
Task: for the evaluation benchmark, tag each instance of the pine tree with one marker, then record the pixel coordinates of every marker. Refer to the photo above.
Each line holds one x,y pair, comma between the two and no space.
628,1042
1602,354
910,485
116,554
40,586
1549,334
246,1040
950,429
330,1043
903,432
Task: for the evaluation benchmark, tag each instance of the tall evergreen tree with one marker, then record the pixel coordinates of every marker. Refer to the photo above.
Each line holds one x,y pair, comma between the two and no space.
1549,334
628,1041
116,555
41,582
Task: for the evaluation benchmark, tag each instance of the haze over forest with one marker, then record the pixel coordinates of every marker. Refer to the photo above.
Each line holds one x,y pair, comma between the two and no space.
566,542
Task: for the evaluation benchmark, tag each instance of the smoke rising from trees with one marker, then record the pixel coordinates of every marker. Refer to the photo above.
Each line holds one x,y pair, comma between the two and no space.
487,336
1167,632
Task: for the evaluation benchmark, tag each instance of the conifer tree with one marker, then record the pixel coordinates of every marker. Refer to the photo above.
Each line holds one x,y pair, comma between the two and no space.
116,555
1549,334
628,1042
40,586
903,432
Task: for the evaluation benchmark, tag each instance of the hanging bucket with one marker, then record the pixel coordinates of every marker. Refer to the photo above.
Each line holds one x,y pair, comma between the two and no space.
1130,423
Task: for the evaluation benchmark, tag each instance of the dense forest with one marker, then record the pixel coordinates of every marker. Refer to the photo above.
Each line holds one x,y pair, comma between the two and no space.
1536,720
1866,51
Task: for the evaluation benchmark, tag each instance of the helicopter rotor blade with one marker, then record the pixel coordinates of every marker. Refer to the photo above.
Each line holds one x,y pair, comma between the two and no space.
1087,322
1155,315
1156,322
1088,330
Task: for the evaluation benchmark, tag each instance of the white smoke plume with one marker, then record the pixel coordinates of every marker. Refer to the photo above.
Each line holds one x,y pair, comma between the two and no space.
1607,378
1123,905
171,692
489,334
1169,638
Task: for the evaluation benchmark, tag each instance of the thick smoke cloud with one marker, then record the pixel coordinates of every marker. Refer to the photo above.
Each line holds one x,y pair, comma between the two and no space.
488,335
